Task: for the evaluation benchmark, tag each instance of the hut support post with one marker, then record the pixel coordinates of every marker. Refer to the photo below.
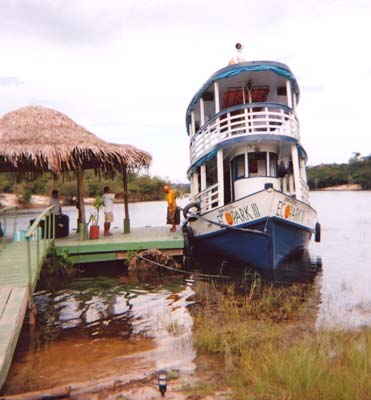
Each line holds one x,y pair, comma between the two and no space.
126,201
80,196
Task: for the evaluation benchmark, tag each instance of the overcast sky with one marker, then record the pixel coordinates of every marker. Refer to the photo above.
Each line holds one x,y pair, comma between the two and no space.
127,69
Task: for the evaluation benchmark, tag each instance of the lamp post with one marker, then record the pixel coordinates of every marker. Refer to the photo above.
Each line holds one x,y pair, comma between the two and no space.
162,381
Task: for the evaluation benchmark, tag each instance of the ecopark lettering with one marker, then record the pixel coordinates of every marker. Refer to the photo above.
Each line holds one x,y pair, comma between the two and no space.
239,215
288,211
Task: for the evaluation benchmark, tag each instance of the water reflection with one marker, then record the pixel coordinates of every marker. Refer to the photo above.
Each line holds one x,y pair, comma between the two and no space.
301,268
93,333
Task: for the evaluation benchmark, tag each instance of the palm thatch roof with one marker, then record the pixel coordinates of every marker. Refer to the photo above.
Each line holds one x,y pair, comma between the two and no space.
36,139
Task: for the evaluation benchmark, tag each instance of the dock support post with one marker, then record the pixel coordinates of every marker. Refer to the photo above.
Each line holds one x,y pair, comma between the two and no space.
126,200
80,198
5,227
29,272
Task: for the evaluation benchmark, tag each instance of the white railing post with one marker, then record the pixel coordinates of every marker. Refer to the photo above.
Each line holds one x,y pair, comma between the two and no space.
217,100
295,165
193,124
203,177
202,112
289,93
194,183
220,171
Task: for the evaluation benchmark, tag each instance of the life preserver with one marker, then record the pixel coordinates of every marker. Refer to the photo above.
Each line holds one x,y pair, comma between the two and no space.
187,208
317,232
188,249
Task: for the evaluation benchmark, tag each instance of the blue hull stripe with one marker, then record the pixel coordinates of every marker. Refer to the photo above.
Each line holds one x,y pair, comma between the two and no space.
266,252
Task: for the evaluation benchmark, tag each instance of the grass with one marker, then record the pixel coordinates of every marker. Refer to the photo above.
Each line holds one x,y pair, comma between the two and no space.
200,390
267,344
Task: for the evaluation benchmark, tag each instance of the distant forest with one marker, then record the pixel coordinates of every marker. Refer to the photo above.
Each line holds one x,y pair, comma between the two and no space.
356,171
140,187
147,188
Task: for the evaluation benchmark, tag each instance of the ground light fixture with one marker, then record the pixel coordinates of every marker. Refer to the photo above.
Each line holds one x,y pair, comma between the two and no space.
162,381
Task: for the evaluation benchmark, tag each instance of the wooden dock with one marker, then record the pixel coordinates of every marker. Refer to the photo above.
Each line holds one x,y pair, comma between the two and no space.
18,277
15,288
119,246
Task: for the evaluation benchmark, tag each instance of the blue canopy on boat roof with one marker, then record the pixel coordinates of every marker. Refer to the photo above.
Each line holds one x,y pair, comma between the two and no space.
236,69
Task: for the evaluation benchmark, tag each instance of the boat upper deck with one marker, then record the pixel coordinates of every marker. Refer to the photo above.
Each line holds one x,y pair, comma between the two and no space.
249,121
245,100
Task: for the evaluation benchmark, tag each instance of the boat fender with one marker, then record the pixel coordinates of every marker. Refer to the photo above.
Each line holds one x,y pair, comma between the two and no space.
188,246
187,209
317,232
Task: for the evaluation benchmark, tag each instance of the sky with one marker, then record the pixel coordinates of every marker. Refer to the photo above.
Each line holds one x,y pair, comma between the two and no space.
127,69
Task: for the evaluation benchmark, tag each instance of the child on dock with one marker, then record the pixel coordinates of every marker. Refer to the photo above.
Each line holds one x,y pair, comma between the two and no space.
108,209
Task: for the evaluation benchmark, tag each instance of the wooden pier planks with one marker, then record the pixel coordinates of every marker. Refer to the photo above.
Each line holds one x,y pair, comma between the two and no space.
13,306
117,246
14,295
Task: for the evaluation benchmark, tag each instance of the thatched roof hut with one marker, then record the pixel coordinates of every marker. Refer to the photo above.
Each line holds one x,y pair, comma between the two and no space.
35,139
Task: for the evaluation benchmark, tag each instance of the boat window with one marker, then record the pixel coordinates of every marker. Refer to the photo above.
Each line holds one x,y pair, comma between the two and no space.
272,164
257,163
259,94
233,97
238,167
236,95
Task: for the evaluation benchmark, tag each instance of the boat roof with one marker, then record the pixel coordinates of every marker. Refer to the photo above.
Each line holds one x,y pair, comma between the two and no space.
236,69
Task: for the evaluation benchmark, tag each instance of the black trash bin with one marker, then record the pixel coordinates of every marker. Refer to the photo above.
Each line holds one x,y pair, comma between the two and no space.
62,225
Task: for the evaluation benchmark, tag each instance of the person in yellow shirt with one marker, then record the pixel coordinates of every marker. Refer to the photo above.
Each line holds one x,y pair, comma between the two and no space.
171,207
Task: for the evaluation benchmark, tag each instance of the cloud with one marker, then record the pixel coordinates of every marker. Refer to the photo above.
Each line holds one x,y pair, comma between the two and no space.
63,21
10,81
312,88
71,22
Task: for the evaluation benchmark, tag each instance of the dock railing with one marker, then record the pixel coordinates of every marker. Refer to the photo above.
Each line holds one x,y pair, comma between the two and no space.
4,213
42,231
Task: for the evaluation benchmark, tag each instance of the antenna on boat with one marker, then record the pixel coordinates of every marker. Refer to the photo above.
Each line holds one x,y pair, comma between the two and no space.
239,57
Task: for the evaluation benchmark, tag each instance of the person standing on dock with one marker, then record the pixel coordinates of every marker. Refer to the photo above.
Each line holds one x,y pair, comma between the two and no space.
54,201
171,208
108,209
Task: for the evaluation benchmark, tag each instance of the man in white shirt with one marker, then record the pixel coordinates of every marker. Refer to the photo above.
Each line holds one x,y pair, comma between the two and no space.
108,210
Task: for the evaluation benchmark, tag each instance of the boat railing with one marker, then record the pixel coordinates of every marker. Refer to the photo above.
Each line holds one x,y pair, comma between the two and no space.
304,190
208,198
4,213
244,120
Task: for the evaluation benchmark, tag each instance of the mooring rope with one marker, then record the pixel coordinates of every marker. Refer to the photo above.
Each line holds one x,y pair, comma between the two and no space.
181,270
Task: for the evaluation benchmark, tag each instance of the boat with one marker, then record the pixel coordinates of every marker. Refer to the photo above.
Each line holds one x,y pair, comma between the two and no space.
249,192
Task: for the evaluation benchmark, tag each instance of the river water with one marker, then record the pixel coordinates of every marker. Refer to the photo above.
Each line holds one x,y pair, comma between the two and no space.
107,324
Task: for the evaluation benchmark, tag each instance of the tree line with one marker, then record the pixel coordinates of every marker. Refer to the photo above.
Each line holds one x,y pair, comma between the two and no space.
148,188
356,171
140,187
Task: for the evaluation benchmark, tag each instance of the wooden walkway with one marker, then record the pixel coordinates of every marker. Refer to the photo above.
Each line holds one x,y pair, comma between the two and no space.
14,272
119,245
14,295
